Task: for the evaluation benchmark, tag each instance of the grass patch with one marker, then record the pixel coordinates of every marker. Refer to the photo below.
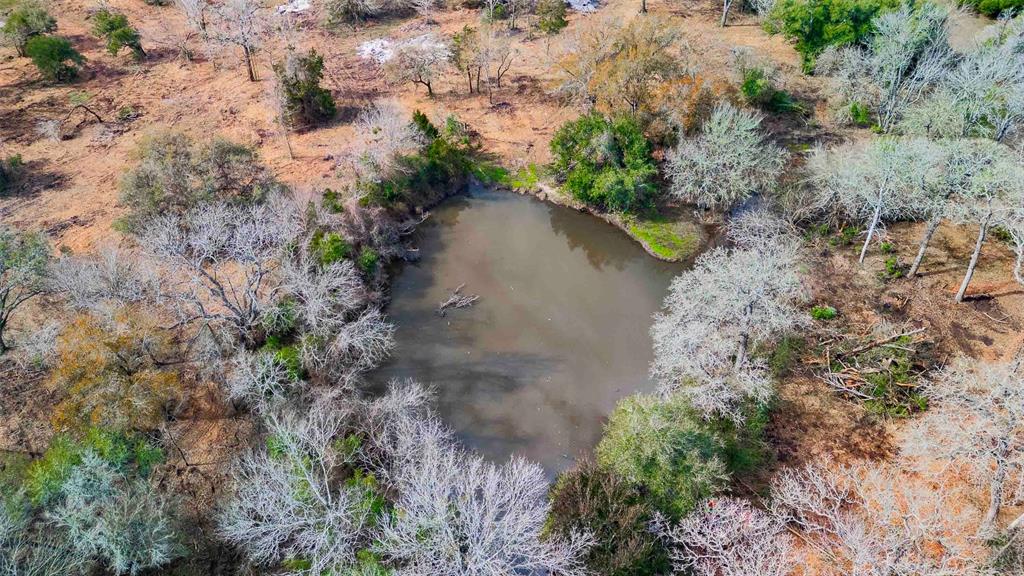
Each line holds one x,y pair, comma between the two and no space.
668,239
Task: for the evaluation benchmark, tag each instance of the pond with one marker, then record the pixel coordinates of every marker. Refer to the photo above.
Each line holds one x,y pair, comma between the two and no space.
559,334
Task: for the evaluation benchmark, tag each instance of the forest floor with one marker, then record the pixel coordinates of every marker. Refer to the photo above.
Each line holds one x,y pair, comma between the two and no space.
74,193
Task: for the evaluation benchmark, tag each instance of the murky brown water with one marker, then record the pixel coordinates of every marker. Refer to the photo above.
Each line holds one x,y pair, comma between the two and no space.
559,334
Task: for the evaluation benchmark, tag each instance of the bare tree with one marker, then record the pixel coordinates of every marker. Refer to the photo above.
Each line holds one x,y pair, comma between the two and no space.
906,57
24,259
866,521
292,500
237,23
384,133
875,181
727,162
729,537
456,514
108,279
976,419
730,300
417,60
994,195
225,256
494,58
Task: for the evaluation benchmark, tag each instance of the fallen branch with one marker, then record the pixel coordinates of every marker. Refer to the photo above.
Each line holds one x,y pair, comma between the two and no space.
457,300
875,344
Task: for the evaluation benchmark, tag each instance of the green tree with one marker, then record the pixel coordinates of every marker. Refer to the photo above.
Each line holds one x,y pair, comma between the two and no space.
55,58
551,16
114,27
665,447
11,171
24,22
24,259
817,24
605,163
305,102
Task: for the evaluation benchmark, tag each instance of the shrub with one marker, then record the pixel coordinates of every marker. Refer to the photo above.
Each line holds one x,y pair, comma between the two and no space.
817,24
551,16
329,248
175,174
114,28
11,170
56,60
823,312
112,373
993,8
23,23
305,102
46,476
605,163
616,513
368,260
663,446
24,267
758,89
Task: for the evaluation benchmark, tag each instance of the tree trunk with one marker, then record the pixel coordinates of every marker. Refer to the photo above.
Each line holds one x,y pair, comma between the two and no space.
871,231
469,73
643,6
430,89
726,4
741,353
995,497
247,53
983,230
933,225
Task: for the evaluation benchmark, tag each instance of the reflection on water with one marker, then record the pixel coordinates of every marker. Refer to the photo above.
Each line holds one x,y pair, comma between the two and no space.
559,334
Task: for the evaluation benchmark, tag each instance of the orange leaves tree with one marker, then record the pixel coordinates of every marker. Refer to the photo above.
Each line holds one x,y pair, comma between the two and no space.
114,373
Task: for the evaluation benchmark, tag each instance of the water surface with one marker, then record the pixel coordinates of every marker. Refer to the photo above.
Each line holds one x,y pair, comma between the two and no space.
559,334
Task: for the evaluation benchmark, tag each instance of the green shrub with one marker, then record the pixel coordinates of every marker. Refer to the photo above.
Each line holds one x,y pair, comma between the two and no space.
175,174
46,476
860,115
759,90
894,269
663,446
286,354
12,169
785,354
605,163
114,28
817,24
993,8
440,167
329,248
551,16
56,60
306,103
24,22
368,260
616,513
823,312
332,202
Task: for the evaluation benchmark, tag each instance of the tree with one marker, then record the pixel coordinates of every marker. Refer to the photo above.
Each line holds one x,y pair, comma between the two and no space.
113,373
605,163
56,60
225,257
120,520
730,301
617,513
27,20
417,60
726,163
551,16
383,136
729,537
24,257
456,514
875,181
622,68
114,27
945,189
995,193
866,520
293,502
815,25
237,23
976,420
465,54
906,56
663,446
305,102
107,280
